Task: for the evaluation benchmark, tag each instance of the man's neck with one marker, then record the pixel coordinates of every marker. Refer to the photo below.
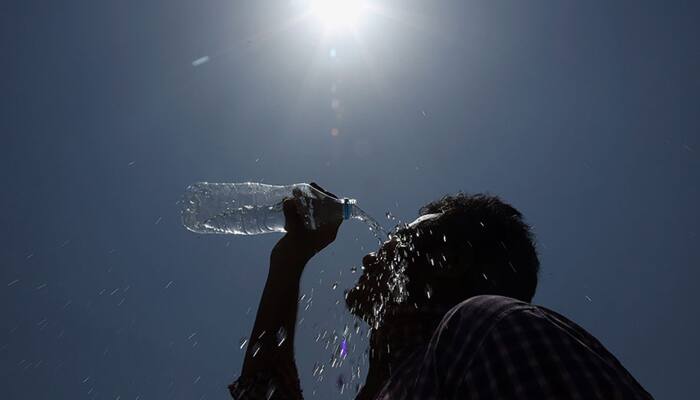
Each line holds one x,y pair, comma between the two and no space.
401,333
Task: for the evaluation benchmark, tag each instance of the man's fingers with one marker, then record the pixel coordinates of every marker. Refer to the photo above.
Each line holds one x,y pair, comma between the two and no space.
301,211
322,190
292,219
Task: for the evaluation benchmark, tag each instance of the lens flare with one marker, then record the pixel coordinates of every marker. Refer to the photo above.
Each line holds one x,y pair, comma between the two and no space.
338,14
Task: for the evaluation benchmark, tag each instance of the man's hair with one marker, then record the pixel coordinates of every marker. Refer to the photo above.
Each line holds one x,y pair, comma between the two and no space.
500,244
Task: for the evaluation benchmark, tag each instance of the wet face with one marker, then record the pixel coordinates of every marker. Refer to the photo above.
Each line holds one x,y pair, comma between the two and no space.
383,283
369,298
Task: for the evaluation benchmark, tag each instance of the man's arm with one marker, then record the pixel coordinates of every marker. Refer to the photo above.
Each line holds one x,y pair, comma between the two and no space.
269,364
277,313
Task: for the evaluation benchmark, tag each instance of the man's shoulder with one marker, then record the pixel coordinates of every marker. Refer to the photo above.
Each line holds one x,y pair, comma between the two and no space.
486,307
467,323
478,314
482,338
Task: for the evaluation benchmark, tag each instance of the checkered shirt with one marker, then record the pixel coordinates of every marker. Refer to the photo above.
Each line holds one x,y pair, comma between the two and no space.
487,347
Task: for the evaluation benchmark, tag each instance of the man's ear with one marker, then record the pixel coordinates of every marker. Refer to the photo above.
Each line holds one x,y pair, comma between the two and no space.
454,265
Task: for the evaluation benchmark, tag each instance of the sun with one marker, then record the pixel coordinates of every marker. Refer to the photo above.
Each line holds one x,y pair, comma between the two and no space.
338,14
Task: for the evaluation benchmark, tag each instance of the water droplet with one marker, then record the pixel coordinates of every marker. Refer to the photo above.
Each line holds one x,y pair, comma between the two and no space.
256,349
353,270
344,348
200,61
341,383
428,291
281,336
512,267
335,286
242,343
270,392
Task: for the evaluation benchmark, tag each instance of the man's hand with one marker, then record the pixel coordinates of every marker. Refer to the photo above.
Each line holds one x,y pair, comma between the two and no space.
300,239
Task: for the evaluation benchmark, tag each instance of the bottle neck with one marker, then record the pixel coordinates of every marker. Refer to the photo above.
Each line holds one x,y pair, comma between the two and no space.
348,207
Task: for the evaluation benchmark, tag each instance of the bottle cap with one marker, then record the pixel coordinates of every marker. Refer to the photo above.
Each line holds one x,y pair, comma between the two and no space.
347,208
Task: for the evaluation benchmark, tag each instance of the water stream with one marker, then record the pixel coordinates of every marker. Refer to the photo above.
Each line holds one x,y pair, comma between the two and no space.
377,230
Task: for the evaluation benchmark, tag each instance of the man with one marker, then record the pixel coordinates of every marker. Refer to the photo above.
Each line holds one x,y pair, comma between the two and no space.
448,300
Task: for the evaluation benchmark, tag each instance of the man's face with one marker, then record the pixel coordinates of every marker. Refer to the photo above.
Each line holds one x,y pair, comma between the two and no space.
383,281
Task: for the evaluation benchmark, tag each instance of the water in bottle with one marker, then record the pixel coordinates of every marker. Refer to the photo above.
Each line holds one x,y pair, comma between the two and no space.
253,208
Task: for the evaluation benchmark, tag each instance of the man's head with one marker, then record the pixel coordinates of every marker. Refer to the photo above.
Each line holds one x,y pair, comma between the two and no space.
461,246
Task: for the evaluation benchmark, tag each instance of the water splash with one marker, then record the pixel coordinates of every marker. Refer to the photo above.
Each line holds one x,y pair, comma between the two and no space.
377,230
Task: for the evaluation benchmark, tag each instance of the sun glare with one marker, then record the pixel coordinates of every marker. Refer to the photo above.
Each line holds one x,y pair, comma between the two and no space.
337,14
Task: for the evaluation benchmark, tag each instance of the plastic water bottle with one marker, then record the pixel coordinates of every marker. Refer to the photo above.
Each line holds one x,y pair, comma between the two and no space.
254,208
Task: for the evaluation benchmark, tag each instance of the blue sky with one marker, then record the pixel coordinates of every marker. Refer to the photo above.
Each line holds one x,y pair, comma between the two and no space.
581,114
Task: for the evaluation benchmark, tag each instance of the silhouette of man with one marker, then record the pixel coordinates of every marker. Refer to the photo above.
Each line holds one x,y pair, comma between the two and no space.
448,302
